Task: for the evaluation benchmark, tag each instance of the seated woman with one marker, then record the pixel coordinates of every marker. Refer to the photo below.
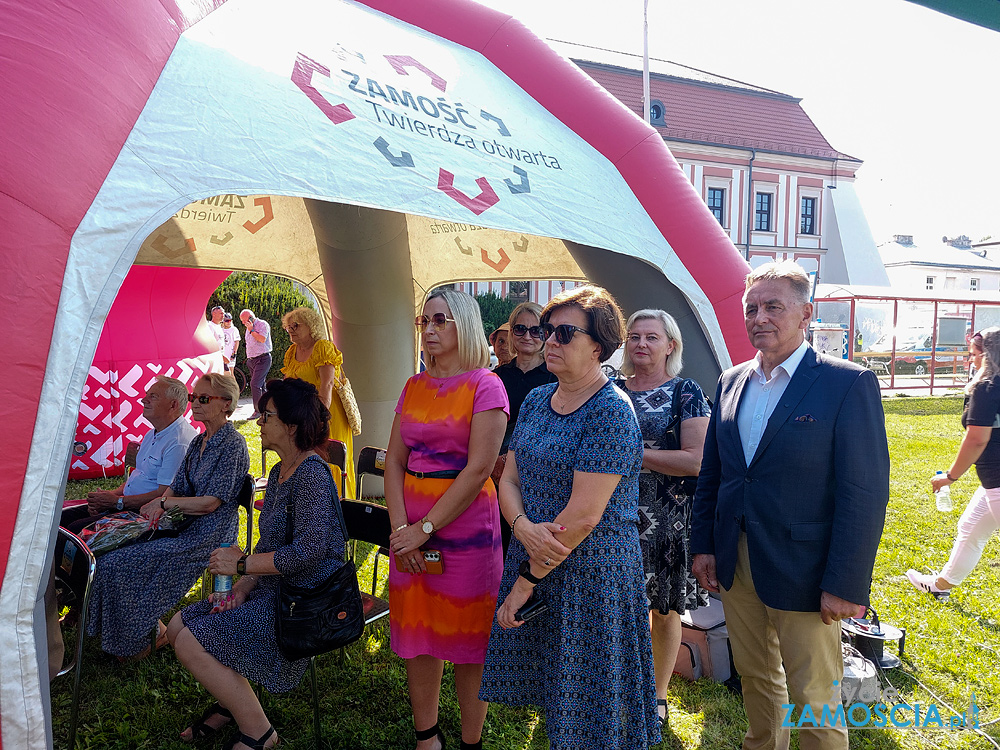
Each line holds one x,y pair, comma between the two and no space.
228,640
135,586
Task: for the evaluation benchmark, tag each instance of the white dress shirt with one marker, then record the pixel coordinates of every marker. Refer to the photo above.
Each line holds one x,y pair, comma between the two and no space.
761,396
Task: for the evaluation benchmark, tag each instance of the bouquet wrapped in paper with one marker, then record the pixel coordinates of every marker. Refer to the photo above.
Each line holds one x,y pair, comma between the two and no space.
121,529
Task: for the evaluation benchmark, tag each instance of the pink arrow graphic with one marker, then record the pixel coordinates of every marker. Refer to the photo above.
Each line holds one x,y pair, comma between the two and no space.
254,226
302,74
400,63
498,265
160,245
486,198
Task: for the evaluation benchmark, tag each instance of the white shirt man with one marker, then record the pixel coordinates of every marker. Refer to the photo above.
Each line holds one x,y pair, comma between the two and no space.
232,341
215,324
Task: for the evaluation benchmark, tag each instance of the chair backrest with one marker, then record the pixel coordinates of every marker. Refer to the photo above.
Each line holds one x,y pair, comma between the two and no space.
131,456
244,498
334,452
367,522
74,572
371,460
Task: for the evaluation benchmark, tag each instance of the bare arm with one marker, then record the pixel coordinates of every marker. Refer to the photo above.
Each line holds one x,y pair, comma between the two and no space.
685,462
190,506
326,375
396,457
974,442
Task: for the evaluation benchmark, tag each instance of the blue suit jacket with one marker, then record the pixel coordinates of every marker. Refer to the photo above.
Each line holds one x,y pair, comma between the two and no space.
815,492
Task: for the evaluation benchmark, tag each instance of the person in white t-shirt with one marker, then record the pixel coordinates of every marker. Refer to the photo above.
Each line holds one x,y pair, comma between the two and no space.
232,341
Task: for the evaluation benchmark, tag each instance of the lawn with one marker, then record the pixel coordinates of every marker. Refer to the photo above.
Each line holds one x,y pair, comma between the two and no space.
952,649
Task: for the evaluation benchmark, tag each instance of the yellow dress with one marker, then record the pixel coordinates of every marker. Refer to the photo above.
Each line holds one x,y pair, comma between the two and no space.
326,353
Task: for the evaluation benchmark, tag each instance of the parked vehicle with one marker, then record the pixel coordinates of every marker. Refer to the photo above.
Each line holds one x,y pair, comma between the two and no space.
914,353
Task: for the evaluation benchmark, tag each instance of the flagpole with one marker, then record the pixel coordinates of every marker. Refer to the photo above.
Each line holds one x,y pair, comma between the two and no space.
645,60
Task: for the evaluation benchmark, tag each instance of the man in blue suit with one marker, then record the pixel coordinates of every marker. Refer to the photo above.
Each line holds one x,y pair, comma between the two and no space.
789,509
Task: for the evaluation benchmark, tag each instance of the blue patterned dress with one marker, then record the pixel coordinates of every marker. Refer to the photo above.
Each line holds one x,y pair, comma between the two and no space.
135,586
665,502
243,638
587,661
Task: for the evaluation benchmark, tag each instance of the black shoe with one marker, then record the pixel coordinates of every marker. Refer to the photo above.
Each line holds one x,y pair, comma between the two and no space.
463,745
434,731
663,722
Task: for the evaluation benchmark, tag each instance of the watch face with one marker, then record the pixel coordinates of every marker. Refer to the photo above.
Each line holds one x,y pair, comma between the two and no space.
428,527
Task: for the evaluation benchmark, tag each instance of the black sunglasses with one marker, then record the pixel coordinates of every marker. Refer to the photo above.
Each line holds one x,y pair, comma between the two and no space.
265,414
440,320
519,330
564,333
204,399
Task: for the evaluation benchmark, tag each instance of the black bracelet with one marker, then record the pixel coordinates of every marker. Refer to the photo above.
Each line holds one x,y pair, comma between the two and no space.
525,572
241,566
953,479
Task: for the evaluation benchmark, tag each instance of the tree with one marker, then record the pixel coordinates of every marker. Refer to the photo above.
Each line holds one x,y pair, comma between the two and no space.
495,310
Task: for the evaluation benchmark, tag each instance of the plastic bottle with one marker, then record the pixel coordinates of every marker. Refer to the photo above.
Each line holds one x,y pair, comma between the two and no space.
943,496
223,584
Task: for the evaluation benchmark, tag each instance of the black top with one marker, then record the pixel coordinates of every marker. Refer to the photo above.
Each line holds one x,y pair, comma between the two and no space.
518,384
981,410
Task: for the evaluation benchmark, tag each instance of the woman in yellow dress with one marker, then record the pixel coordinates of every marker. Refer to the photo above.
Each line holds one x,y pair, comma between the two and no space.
315,359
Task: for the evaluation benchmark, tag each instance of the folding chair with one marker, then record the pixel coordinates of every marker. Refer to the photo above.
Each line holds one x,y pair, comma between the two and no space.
369,522
334,452
74,573
370,461
131,455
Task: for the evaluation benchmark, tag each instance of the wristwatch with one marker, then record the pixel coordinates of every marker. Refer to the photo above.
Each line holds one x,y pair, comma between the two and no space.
426,526
525,572
120,505
241,566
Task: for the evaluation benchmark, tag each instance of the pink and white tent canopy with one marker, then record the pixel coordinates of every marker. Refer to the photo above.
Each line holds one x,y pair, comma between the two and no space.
117,118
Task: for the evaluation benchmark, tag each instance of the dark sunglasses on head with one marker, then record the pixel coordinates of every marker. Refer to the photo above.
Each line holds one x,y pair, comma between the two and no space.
440,320
204,399
564,333
519,330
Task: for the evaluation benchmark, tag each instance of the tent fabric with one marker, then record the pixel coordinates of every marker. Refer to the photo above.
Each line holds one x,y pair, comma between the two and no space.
116,120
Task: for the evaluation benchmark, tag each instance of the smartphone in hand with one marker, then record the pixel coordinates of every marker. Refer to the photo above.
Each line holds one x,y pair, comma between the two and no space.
535,606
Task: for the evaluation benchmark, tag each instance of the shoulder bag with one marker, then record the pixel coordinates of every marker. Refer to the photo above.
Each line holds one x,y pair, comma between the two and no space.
682,485
349,402
312,621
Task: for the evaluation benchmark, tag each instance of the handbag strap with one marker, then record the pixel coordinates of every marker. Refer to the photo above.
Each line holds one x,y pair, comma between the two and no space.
675,413
338,511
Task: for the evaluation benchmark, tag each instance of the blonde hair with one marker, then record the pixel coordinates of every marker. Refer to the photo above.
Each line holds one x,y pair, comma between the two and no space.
473,351
306,316
223,384
675,360
991,358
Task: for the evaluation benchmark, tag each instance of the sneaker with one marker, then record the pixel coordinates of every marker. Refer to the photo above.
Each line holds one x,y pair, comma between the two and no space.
925,582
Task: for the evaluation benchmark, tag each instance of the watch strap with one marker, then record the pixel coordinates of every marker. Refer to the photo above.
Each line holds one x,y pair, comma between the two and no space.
525,572
241,566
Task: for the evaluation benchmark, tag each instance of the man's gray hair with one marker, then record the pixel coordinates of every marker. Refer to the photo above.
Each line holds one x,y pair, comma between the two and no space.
248,312
782,270
176,390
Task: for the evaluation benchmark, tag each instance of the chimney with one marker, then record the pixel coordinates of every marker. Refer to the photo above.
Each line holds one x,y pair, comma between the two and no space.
903,239
962,242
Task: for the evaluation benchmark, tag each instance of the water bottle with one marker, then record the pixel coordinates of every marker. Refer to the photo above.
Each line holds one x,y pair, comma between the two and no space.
943,496
223,584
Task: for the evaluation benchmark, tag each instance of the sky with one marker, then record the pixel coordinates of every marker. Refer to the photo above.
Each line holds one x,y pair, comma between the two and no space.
909,91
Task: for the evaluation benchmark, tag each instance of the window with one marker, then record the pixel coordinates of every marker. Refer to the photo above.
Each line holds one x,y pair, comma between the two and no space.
717,203
762,221
929,283
973,285
807,216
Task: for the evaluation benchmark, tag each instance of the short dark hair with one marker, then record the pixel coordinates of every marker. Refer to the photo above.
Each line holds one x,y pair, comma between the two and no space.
297,403
604,317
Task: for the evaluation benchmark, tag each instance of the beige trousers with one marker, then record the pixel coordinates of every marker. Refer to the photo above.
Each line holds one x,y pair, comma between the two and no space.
780,654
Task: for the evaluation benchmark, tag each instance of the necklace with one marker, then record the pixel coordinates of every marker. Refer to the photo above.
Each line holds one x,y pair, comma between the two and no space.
562,402
283,474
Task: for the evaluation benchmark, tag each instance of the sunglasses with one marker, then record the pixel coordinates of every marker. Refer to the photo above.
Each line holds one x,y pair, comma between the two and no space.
520,330
265,414
204,399
440,320
564,333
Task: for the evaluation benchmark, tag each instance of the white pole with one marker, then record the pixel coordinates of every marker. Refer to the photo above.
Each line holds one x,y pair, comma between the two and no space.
645,60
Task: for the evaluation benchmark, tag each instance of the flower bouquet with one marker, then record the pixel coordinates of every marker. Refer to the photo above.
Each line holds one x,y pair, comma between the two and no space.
121,529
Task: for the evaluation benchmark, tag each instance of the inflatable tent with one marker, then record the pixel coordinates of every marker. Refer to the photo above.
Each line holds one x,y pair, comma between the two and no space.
371,150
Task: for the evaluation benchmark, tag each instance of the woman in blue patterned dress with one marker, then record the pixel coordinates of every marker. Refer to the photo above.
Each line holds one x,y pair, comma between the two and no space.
135,586
653,360
229,640
570,492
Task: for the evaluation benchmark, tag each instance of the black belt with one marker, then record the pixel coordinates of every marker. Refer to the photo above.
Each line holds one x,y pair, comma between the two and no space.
433,474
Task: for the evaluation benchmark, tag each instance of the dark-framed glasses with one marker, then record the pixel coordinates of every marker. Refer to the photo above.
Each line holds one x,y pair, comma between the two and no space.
204,399
564,333
520,330
440,320
291,327
264,415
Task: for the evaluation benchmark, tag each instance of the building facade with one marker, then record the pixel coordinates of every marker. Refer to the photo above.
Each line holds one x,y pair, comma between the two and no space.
952,266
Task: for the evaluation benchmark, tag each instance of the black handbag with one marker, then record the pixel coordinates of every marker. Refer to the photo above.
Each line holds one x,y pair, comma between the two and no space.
312,621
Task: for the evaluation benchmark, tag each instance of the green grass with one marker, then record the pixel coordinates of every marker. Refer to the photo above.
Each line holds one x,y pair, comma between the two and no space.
952,648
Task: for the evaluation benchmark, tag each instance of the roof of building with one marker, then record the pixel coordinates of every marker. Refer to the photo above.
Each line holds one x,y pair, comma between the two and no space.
942,255
704,107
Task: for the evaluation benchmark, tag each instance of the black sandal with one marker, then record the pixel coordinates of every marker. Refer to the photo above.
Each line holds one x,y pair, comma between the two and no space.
434,731
463,745
254,744
662,721
200,729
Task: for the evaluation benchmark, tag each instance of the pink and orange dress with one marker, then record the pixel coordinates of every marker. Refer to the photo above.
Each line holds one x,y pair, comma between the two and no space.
447,615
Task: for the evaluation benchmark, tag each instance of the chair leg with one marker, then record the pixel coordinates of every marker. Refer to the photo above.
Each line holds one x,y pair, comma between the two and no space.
75,708
315,692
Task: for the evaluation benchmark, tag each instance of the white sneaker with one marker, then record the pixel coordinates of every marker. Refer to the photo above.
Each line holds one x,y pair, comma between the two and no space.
925,582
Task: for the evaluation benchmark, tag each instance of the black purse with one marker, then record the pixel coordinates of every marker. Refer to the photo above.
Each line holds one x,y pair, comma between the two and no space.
312,621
